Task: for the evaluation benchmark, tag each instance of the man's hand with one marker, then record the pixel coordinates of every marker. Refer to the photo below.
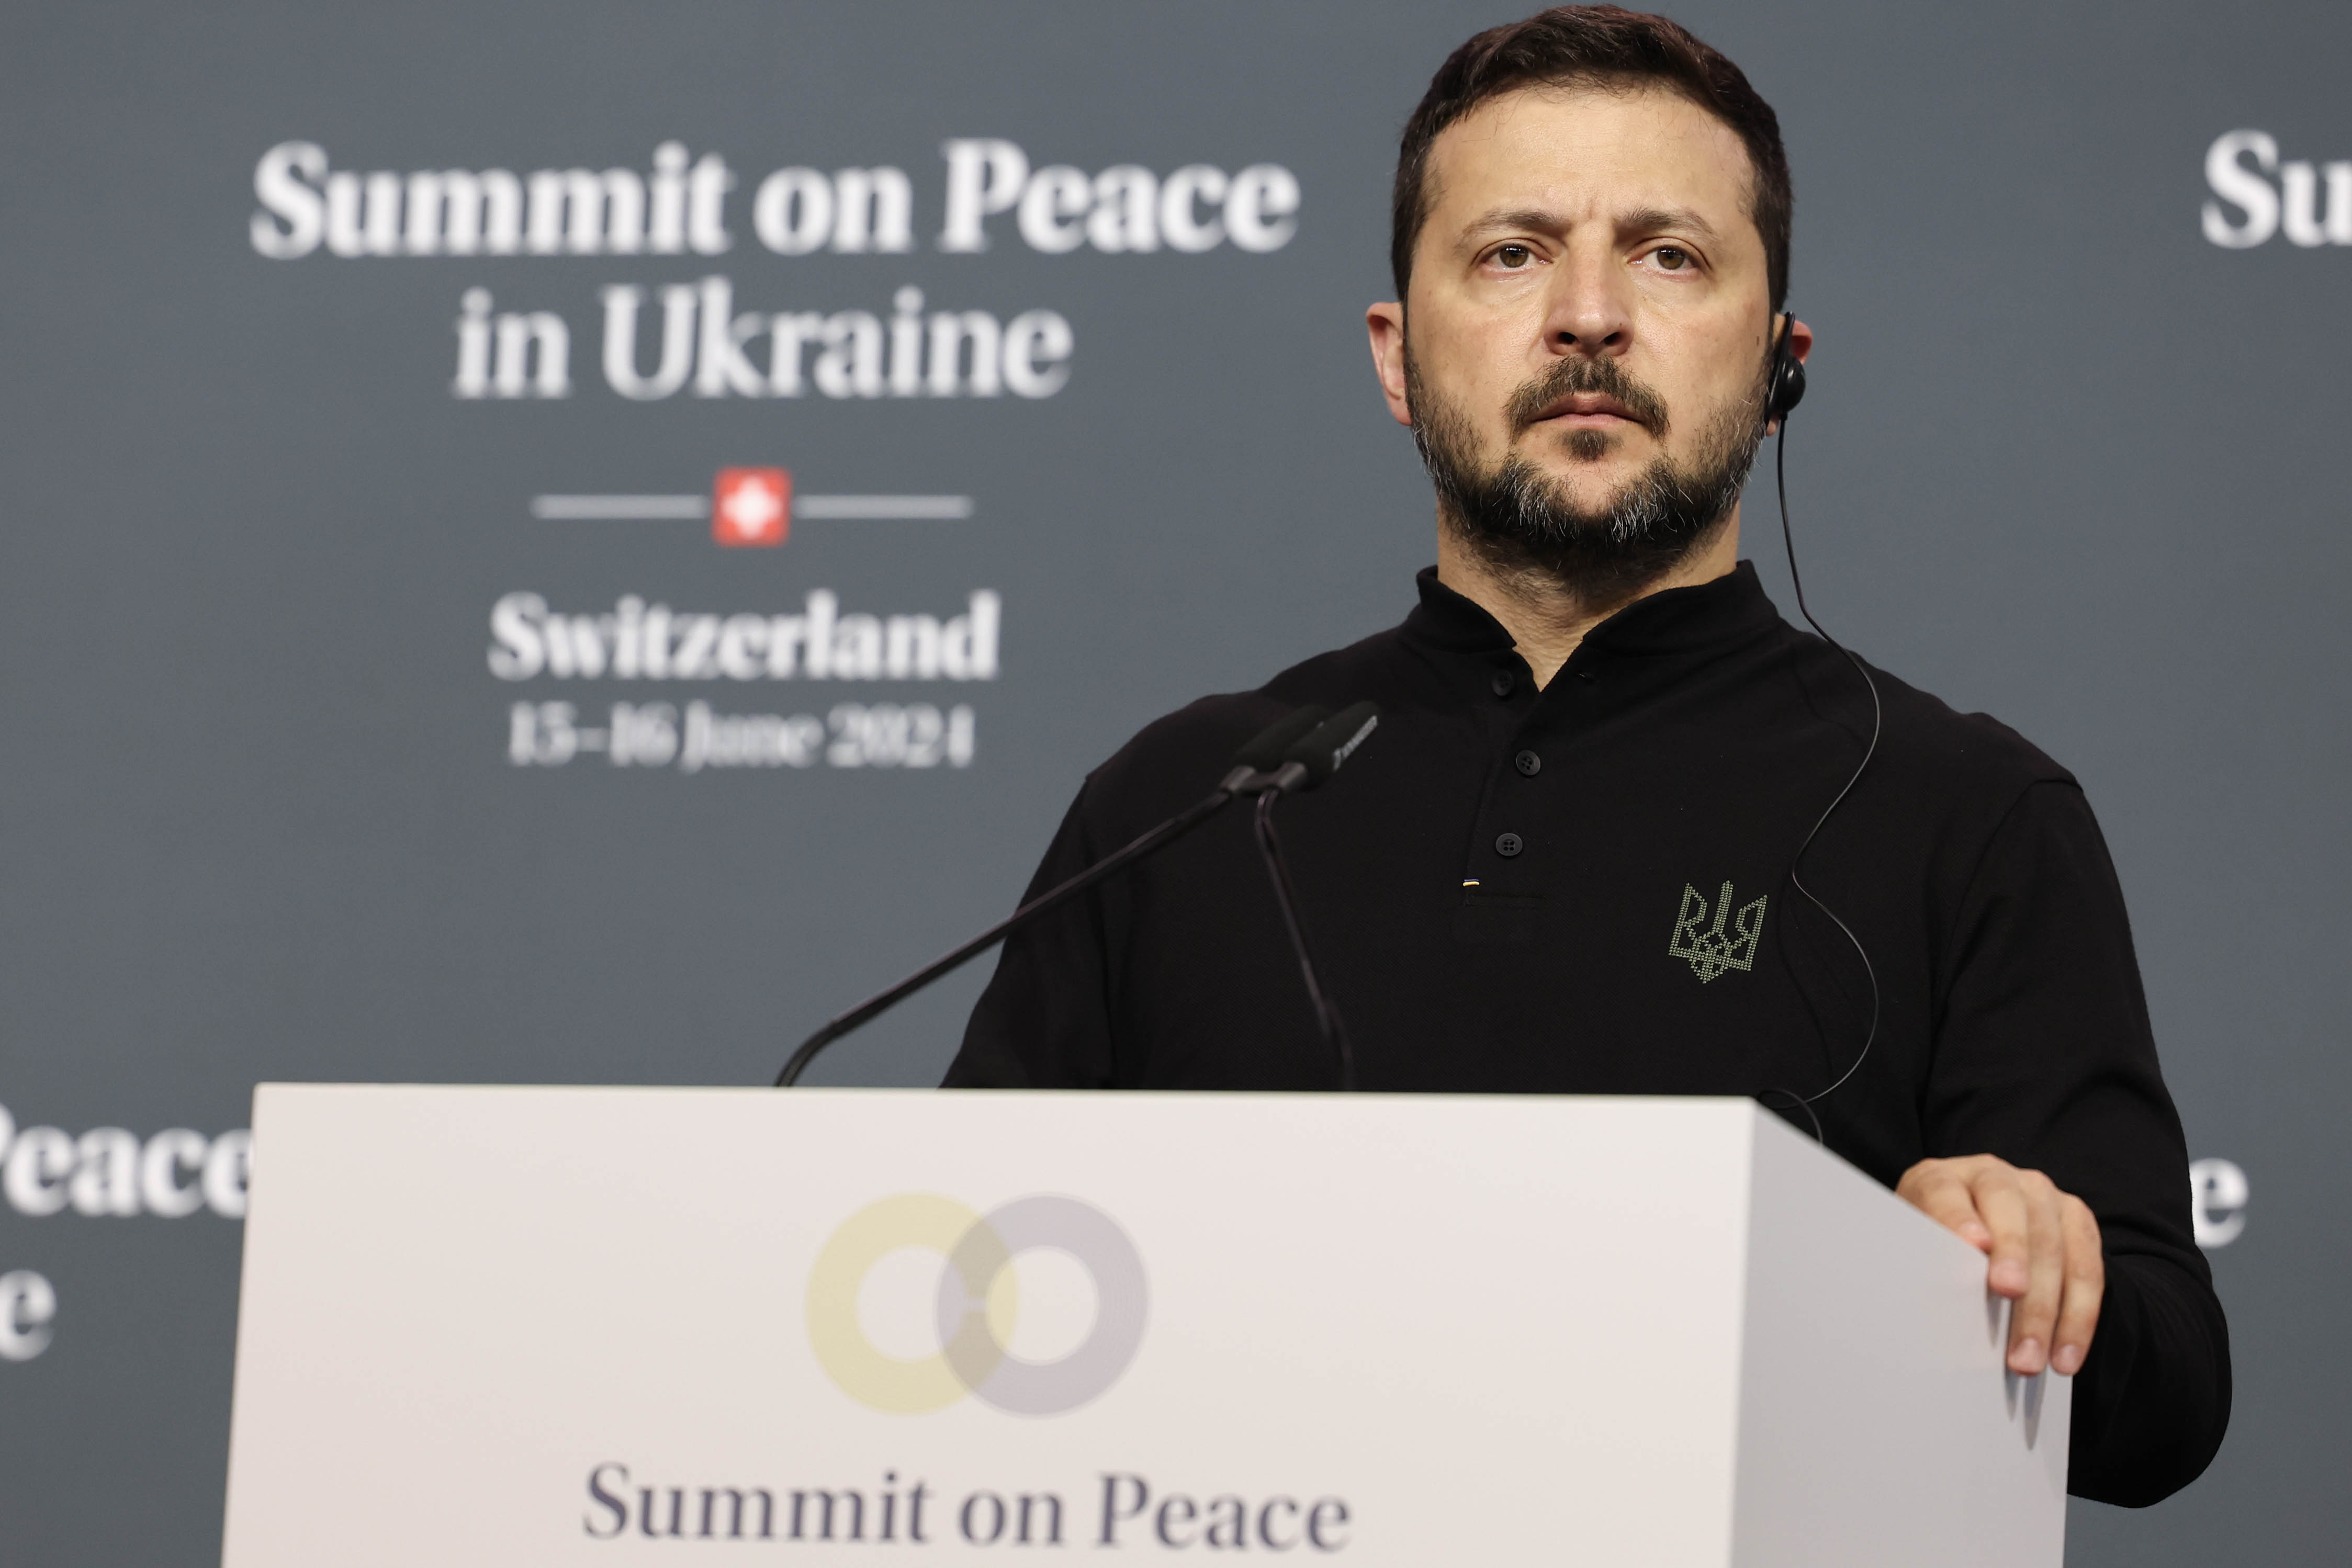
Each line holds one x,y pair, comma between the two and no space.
2045,1245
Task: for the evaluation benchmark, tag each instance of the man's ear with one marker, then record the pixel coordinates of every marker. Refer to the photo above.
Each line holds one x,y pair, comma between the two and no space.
1800,341
1385,324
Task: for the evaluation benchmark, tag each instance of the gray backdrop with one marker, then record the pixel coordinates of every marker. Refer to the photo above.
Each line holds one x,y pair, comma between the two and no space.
2066,459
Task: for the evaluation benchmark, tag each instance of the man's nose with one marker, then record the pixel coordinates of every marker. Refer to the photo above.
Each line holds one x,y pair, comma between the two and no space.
1590,310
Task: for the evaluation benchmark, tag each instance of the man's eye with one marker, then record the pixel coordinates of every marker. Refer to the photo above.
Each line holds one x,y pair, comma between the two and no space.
1515,256
1672,258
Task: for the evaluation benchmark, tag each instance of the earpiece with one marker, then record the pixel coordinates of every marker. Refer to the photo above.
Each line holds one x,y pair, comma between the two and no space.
1787,386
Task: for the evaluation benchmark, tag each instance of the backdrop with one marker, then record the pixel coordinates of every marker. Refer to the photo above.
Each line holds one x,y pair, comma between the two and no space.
567,543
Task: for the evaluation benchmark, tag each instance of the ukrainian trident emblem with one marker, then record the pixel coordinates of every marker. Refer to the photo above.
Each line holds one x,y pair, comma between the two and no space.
1711,951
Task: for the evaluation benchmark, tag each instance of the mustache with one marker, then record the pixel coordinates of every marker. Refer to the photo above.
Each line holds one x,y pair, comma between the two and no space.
1604,377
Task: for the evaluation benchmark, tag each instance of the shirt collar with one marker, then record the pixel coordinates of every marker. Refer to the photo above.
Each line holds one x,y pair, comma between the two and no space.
1728,608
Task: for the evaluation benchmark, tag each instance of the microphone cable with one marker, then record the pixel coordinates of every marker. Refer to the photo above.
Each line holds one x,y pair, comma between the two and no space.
1805,1102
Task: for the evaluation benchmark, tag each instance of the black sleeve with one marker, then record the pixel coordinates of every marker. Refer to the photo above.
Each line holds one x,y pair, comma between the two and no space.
2044,1056
1044,1022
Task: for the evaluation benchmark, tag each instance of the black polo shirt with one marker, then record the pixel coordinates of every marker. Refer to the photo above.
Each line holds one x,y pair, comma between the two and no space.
1584,889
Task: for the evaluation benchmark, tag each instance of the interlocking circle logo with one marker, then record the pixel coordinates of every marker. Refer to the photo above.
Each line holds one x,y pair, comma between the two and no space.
978,1301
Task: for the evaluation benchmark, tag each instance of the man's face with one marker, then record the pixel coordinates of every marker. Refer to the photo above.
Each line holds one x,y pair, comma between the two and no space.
1589,307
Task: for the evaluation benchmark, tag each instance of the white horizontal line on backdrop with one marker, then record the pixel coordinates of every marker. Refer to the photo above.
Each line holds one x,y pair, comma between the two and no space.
682,508
911,508
618,509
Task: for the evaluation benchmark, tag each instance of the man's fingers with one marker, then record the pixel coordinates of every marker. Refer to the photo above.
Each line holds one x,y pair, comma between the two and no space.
2043,1247
2001,1204
2031,1320
2086,1287
1940,1193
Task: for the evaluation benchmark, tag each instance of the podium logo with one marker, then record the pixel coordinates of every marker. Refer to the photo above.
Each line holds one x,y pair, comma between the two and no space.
976,1304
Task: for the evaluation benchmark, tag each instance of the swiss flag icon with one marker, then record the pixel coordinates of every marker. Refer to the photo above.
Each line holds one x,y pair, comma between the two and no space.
751,506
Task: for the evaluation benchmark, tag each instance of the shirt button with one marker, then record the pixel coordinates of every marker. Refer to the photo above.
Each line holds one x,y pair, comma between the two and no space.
1529,763
1503,683
1509,845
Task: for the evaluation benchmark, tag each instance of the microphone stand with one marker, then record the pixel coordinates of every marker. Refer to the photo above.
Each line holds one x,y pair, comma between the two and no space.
1299,751
1327,1017
1167,832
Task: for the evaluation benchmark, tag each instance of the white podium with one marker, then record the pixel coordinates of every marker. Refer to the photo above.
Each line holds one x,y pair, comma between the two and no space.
586,1326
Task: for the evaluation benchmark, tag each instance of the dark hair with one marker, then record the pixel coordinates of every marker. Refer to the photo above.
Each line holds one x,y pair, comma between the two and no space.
1570,45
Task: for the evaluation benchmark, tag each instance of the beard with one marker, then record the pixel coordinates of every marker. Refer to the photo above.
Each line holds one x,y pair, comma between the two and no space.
1523,522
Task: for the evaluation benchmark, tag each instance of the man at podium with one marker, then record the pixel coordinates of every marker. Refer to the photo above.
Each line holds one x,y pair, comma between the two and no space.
1623,829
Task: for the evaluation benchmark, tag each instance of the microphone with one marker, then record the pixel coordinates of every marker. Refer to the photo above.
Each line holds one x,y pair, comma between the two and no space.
1288,744
1321,751
1267,751
1308,764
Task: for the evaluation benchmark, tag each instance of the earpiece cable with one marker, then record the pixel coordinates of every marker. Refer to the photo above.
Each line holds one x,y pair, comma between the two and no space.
1878,715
